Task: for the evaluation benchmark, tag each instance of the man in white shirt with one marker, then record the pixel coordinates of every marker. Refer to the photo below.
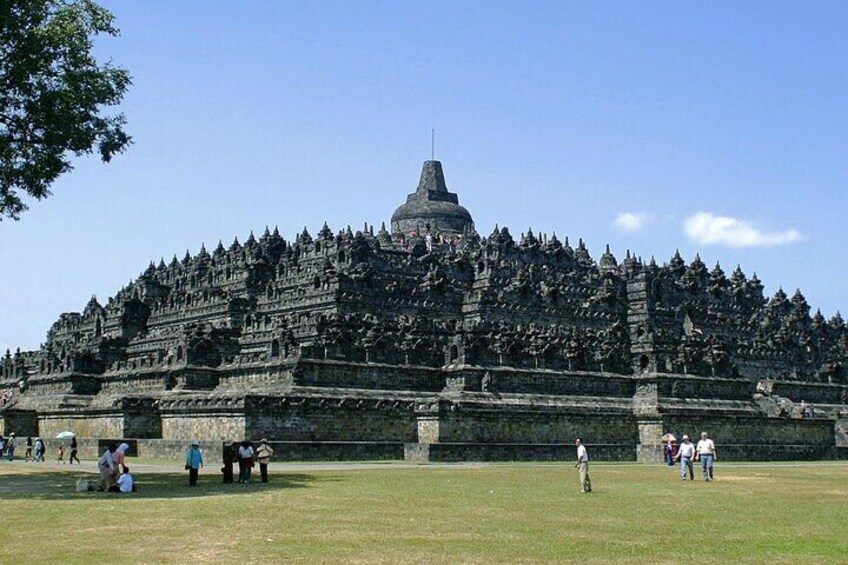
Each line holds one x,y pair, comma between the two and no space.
583,466
707,453
106,466
685,455
124,484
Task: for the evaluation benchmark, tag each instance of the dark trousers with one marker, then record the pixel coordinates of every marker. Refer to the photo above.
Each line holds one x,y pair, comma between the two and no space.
192,477
263,470
74,456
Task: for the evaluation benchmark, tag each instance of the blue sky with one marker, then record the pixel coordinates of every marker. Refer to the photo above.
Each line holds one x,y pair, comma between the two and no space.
718,129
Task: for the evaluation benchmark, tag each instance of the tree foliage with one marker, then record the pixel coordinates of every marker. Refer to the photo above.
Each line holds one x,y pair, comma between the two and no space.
52,95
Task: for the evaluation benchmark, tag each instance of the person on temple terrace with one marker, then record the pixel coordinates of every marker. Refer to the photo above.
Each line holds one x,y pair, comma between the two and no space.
583,466
685,455
707,453
194,462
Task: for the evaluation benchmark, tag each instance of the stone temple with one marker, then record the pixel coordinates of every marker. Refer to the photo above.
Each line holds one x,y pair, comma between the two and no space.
429,341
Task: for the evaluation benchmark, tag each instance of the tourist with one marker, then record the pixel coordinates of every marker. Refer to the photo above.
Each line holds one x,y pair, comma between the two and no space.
2,447
120,453
707,453
685,455
40,450
10,446
194,462
583,467
670,452
28,451
263,454
228,457
245,455
106,467
125,483
60,458
74,452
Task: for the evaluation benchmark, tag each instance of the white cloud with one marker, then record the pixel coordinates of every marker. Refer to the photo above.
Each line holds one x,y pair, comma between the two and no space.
707,228
631,221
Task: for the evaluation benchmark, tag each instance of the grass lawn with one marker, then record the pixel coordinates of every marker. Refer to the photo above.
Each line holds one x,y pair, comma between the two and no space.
511,513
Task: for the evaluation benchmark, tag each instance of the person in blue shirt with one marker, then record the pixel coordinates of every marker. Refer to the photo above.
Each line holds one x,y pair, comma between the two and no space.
194,462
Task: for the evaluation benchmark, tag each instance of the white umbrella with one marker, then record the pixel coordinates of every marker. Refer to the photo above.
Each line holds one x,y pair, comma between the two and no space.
66,435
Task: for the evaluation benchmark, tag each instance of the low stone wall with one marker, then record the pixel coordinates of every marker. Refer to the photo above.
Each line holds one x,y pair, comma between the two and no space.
336,451
330,419
753,430
446,452
533,427
84,425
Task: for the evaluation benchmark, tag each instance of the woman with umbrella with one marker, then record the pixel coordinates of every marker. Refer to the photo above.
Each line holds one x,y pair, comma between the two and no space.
68,435
670,449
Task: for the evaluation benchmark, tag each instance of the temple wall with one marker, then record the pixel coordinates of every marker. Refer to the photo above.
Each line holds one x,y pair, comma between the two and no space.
206,426
530,427
83,425
368,376
317,423
811,392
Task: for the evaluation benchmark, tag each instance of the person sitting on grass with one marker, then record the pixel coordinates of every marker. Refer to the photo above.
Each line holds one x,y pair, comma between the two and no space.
125,484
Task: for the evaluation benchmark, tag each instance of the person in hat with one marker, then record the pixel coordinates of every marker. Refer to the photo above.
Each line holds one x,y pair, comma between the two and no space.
263,454
706,453
194,462
40,450
685,455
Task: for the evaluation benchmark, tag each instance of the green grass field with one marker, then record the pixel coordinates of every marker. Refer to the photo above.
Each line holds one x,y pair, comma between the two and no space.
511,513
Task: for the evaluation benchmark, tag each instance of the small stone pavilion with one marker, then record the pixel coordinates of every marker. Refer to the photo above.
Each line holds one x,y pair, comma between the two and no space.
430,341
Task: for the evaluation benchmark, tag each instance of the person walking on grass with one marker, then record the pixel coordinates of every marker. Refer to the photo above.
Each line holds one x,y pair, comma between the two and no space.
28,452
10,446
707,453
194,462
685,455
40,450
263,454
583,466
74,446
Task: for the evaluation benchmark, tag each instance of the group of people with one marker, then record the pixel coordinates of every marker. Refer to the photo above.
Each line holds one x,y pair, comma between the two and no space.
687,453
7,397
35,449
243,453
115,475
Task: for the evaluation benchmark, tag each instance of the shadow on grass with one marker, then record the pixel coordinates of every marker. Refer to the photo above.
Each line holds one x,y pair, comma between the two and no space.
61,485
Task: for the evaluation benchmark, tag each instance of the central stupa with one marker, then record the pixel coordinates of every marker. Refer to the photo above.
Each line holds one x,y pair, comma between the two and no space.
431,208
